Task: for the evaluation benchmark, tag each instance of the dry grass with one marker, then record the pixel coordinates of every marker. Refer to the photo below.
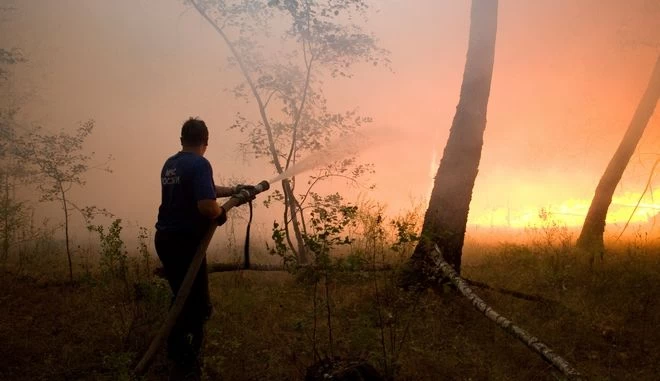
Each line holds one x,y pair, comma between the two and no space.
265,328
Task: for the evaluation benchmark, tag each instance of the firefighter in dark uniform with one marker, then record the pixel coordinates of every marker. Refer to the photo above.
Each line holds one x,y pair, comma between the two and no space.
187,209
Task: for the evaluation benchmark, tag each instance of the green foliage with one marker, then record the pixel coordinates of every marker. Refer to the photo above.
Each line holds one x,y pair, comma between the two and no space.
284,49
281,248
143,251
114,257
58,158
59,164
352,262
135,299
312,40
406,230
329,217
372,230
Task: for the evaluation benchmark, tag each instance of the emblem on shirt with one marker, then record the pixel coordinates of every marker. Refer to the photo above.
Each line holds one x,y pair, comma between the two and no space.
170,177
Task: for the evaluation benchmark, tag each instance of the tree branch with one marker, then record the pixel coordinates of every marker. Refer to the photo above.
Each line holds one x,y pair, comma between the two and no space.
323,177
249,80
308,66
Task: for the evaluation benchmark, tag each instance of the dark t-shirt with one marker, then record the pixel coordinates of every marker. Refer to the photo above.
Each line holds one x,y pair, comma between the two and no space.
185,179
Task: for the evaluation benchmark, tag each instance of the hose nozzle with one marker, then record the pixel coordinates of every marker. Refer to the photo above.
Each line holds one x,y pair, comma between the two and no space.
247,193
262,186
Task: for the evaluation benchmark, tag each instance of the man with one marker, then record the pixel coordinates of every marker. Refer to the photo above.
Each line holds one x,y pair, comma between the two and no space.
187,209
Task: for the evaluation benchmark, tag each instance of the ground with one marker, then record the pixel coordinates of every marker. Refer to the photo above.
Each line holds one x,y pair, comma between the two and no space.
604,322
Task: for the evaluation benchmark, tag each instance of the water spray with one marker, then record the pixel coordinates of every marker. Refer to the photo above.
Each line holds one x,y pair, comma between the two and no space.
346,146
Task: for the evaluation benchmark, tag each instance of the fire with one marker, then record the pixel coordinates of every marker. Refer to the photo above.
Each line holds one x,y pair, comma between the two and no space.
570,213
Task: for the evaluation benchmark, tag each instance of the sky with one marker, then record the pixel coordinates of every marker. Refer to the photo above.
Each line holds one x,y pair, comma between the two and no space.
567,78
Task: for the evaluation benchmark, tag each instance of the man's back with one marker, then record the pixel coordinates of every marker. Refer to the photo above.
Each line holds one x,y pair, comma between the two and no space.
186,178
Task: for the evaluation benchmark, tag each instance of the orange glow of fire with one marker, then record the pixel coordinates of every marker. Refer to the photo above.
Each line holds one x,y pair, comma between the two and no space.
570,213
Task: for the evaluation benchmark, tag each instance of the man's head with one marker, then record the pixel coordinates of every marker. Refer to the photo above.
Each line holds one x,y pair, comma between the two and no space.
195,135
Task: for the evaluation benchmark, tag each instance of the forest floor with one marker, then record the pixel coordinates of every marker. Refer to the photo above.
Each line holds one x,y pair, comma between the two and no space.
270,325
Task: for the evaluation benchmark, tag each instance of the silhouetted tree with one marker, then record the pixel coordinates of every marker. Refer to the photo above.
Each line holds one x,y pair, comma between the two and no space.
59,160
591,236
314,38
446,217
13,211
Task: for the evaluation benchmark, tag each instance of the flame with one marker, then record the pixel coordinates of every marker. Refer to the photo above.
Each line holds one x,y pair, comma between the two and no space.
570,213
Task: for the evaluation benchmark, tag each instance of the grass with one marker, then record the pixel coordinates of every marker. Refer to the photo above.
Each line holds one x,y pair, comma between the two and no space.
266,326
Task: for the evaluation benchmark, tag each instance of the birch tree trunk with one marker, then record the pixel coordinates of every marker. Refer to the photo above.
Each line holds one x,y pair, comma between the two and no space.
446,216
442,270
591,236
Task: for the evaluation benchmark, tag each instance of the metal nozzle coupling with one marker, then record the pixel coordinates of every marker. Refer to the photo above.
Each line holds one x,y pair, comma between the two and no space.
262,186
248,193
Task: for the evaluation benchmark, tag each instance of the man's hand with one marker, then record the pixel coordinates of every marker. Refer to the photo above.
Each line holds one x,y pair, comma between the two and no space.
222,218
238,188
246,194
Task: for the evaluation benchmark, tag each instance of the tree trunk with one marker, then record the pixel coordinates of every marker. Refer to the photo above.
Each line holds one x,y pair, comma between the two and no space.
446,216
6,210
291,203
286,185
533,343
66,232
591,236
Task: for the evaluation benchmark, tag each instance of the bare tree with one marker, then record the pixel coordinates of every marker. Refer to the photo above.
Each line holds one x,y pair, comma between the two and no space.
591,236
446,217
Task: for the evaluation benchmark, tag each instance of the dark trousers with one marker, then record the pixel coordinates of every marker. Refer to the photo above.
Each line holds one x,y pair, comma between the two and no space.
176,251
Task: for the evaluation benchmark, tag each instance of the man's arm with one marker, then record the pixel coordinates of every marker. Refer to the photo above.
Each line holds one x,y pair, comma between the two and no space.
224,191
209,208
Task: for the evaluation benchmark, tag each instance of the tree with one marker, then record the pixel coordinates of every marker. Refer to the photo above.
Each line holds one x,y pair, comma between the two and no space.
13,212
641,33
314,38
9,57
59,160
446,217
591,236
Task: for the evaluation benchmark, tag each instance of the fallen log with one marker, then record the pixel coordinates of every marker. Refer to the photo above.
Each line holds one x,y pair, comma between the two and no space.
448,272
514,293
224,267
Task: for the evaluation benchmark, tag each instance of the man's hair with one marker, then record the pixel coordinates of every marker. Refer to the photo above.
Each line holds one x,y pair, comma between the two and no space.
194,133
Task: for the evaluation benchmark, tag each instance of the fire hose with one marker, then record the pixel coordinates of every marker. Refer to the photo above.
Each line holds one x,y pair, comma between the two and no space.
245,195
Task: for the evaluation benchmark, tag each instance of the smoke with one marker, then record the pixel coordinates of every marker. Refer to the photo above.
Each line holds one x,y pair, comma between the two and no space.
433,170
348,145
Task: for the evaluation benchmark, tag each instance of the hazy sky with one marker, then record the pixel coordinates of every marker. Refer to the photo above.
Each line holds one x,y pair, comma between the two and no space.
568,75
